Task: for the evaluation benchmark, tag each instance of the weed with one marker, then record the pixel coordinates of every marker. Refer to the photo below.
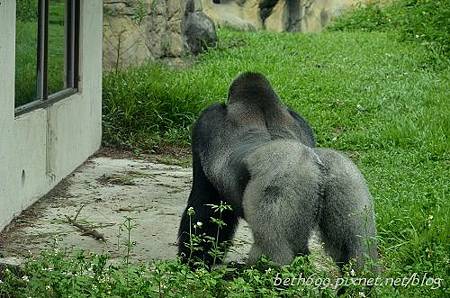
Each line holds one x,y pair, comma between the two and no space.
218,249
128,225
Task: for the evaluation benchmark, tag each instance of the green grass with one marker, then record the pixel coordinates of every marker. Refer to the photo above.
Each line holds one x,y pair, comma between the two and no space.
381,100
26,49
423,21
84,274
359,90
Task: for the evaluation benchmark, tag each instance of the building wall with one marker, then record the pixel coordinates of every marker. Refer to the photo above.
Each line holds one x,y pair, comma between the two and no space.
38,149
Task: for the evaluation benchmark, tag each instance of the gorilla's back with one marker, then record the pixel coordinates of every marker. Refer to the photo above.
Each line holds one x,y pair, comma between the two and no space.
227,135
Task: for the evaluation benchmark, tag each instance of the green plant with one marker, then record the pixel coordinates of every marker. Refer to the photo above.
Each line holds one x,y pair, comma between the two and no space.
373,16
194,238
428,21
423,21
197,239
128,225
140,11
218,250
27,10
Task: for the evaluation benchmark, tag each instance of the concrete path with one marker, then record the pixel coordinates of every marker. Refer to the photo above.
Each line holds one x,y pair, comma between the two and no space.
104,191
154,195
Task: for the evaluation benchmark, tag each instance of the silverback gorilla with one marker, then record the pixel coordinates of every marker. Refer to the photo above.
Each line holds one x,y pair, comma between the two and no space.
260,157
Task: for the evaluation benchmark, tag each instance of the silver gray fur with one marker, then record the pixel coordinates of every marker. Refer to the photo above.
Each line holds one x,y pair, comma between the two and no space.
259,156
294,190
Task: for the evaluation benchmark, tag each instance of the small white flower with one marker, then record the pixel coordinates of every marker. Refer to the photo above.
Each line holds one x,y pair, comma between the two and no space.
48,287
199,224
361,294
190,211
352,272
25,278
1,281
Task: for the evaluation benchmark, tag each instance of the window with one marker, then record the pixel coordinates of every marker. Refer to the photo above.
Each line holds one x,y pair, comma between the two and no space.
47,33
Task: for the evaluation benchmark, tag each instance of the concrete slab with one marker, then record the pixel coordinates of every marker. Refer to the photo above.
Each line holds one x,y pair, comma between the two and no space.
153,194
107,190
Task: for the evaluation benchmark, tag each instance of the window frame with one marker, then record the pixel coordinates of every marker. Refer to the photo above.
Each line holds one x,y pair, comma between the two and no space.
71,57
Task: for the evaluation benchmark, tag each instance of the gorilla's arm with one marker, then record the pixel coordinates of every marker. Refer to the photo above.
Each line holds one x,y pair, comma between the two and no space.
304,131
204,193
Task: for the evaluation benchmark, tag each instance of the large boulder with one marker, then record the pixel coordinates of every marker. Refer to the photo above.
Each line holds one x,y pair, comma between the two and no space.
240,14
276,15
198,29
138,30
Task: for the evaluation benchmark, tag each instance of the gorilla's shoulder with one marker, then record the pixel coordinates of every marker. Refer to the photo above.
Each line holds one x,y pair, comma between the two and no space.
305,128
212,111
215,107
211,119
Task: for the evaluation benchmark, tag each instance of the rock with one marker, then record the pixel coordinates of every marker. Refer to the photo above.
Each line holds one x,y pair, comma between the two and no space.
276,15
138,30
242,15
12,264
199,30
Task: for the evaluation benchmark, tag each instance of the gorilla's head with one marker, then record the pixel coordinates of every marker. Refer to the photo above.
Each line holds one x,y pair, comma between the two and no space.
252,87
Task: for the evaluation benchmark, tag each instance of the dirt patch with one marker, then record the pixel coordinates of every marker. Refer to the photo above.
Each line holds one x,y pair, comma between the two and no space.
126,178
165,154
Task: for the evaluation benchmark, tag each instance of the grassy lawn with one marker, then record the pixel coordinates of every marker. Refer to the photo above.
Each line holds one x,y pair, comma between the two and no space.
359,90
382,99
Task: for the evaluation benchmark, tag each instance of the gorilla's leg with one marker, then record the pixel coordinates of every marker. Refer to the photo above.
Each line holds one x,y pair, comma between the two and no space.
203,193
278,250
347,220
281,200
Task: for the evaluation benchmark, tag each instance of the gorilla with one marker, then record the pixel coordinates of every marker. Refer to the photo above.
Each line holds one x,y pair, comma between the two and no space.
259,156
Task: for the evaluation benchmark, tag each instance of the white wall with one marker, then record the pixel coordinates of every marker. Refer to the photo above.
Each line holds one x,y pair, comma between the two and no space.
39,148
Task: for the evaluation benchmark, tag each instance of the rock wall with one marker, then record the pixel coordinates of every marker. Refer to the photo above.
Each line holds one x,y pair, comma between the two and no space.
276,15
138,30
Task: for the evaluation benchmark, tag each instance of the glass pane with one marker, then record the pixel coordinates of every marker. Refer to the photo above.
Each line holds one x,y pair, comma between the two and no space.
26,51
56,46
